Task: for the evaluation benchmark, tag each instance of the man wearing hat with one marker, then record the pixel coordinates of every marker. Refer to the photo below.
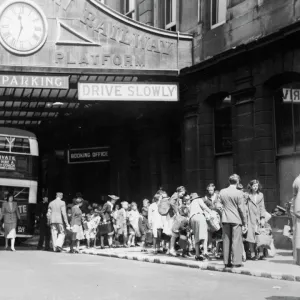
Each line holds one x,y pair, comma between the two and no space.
106,228
57,217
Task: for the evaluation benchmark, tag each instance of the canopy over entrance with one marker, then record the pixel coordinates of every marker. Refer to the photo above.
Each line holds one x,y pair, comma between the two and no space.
48,46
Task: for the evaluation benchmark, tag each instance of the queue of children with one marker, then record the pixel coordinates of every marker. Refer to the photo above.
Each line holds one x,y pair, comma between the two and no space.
187,222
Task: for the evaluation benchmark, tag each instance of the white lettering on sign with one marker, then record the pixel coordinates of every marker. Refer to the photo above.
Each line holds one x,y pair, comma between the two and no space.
7,162
291,95
22,209
34,81
127,92
88,155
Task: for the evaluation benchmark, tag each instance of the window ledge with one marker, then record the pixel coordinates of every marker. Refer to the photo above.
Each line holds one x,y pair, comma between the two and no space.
217,25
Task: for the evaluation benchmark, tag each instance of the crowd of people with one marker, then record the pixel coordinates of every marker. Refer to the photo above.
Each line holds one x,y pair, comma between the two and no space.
231,223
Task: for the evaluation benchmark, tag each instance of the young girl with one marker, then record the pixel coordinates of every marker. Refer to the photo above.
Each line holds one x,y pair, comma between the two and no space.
133,218
121,223
92,225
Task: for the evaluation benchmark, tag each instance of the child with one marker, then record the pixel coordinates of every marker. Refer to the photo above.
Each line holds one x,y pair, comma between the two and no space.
180,229
92,223
144,227
69,233
133,218
121,223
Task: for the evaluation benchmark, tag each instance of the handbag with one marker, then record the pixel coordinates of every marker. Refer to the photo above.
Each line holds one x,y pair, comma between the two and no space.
164,206
183,241
287,230
263,240
149,237
213,222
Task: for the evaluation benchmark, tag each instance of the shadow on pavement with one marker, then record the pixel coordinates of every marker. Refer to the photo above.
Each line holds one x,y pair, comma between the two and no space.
282,298
288,262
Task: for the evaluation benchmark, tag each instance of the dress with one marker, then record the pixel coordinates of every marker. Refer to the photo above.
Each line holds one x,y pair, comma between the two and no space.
295,209
106,227
255,210
91,231
198,221
121,222
133,217
155,218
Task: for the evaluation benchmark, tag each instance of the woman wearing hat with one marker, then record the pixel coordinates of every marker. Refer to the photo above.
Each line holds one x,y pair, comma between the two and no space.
76,225
11,214
106,227
199,225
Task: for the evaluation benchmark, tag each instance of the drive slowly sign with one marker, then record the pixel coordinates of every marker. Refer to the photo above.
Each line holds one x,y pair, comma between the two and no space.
127,92
88,155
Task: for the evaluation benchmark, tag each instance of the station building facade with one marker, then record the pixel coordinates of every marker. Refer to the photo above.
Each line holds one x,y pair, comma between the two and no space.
236,65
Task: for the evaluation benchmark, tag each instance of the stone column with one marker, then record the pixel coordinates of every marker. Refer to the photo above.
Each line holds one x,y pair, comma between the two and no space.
264,145
243,135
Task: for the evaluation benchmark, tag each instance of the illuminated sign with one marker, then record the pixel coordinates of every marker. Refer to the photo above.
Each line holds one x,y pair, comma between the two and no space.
88,155
127,92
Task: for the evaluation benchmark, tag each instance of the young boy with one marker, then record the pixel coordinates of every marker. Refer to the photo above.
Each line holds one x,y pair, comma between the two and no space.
144,227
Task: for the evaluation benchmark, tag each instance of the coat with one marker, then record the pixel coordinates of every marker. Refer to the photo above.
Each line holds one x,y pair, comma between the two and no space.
121,219
76,216
233,204
57,212
254,211
295,211
143,225
9,215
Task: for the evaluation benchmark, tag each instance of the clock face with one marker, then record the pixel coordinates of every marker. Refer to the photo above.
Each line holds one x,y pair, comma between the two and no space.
23,27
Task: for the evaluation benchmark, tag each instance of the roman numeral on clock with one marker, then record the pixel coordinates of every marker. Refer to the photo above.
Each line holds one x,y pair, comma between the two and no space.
6,35
36,37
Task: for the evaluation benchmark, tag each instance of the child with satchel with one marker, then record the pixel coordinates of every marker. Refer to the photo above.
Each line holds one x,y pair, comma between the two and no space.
181,231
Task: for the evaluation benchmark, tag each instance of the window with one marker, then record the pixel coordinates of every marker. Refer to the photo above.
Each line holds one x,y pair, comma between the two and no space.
218,12
170,15
14,144
287,116
130,9
223,127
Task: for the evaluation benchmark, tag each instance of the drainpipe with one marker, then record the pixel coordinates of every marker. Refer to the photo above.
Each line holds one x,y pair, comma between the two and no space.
178,71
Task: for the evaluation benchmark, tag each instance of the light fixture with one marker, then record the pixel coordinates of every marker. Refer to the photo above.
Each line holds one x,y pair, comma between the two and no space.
57,103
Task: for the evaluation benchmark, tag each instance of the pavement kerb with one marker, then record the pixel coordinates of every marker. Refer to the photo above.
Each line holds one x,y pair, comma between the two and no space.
201,266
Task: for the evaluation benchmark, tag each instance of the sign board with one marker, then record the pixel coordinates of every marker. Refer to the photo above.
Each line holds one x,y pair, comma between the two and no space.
8,162
127,92
88,155
291,95
86,34
40,82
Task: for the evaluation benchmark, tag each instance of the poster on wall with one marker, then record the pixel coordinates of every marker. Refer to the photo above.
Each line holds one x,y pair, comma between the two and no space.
8,162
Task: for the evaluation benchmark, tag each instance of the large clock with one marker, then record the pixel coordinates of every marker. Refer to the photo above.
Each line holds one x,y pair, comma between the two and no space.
23,27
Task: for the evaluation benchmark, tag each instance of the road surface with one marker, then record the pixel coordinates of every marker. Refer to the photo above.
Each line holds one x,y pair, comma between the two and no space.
29,274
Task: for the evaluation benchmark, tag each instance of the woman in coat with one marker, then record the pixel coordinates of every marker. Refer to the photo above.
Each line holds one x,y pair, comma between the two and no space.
295,211
76,225
10,214
255,208
199,226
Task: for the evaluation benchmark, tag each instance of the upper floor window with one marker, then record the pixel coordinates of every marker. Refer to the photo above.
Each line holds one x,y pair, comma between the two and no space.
218,12
170,15
130,9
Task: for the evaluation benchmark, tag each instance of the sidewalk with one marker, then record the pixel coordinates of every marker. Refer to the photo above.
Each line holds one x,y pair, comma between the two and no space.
279,267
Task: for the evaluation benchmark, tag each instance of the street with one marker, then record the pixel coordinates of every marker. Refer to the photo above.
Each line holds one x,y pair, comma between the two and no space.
30,274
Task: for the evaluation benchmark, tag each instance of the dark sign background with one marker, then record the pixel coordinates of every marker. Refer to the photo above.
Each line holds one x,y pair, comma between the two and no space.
88,155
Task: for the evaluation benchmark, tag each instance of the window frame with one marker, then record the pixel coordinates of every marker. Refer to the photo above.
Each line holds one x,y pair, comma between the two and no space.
131,10
173,14
213,26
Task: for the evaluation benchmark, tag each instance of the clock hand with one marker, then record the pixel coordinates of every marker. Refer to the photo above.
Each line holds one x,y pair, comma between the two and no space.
21,27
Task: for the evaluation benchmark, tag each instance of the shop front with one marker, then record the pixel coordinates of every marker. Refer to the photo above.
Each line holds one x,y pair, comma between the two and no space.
99,90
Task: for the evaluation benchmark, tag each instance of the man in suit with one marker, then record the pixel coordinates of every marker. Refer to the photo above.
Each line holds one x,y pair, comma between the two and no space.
45,233
234,222
57,217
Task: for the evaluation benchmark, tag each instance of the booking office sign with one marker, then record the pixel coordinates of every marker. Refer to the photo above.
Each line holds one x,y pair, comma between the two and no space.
89,155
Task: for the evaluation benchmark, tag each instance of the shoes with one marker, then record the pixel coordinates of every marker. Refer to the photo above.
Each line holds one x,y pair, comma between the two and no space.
254,258
144,250
59,249
48,249
198,258
13,250
173,253
238,266
39,248
229,266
